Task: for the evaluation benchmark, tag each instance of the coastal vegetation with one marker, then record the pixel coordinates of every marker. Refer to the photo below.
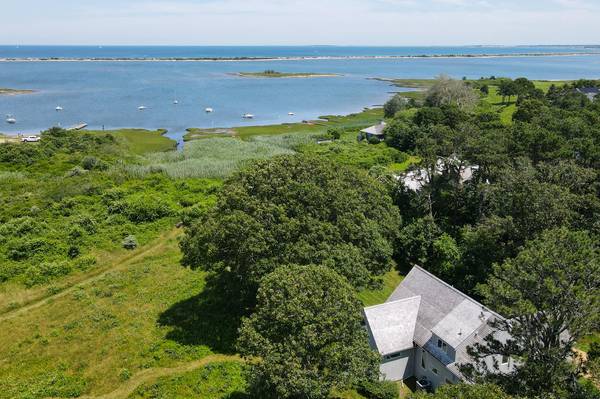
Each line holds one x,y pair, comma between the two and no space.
287,231
269,73
14,92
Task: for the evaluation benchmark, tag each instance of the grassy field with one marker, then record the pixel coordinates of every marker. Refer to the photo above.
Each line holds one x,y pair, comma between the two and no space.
490,102
140,141
356,121
151,313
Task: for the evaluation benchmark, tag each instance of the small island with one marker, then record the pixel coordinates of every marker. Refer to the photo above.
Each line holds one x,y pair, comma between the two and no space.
13,92
269,73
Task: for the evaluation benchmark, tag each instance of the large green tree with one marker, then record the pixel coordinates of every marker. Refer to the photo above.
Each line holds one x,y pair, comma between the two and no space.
295,210
306,335
550,295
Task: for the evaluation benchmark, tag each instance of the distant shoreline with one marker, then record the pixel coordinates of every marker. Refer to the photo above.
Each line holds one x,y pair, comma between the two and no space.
14,92
293,58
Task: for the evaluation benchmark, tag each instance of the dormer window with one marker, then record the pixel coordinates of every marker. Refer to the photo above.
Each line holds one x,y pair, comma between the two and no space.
442,345
505,359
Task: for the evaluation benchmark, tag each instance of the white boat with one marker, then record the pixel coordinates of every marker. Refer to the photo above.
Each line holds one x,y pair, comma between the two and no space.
142,107
248,116
10,119
209,110
175,102
59,108
291,113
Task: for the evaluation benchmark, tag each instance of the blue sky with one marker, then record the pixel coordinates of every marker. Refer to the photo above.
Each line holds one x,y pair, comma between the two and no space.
291,22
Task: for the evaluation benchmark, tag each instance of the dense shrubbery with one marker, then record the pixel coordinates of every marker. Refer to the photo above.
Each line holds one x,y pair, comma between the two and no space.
60,201
378,389
517,195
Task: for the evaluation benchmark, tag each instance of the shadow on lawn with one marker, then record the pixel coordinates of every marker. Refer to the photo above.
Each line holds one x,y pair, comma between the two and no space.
211,318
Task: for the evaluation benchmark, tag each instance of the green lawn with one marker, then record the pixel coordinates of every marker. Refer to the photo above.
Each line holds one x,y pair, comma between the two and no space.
141,141
375,297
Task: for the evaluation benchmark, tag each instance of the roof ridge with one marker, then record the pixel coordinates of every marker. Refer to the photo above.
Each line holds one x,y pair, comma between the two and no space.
396,301
454,289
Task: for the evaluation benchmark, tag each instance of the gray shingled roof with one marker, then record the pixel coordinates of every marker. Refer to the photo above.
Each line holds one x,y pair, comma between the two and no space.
376,130
442,310
392,324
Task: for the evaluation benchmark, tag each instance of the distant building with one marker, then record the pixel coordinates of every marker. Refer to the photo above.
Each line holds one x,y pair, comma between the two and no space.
589,92
424,330
373,131
416,179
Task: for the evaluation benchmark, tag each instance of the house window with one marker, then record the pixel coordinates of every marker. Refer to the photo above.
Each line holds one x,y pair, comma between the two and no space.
442,345
423,360
505,359
434,371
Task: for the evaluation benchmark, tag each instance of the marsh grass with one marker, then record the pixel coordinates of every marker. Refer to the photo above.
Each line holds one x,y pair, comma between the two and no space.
210,158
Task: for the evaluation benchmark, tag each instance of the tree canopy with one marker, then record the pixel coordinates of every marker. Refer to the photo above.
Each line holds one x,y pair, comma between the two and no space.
550,294
307,333
296,210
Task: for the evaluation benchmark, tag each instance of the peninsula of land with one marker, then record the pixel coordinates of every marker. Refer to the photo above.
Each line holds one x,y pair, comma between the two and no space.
292,58
13,92
276,74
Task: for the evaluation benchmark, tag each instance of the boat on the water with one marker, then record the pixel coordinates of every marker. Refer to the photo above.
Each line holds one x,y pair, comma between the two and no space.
10,119
209,110
291,113
175,102
59,108
248,116
142,107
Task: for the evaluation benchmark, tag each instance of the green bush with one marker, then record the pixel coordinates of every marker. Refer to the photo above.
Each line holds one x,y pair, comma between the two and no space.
139,209
374,140
378,389
45,272
19,249
130,242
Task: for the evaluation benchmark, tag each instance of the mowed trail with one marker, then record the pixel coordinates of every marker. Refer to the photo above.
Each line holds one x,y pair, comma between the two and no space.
152,374
152,248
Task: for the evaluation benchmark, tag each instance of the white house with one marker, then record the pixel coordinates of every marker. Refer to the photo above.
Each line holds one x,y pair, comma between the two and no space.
425,328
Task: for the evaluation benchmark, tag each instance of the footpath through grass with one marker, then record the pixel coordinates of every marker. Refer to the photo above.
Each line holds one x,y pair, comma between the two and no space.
153,313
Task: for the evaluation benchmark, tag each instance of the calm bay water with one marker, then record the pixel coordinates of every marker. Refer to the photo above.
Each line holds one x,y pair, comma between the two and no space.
108,93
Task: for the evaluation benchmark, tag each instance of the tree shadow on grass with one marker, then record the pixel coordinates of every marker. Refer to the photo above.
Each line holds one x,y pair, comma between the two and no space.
211,318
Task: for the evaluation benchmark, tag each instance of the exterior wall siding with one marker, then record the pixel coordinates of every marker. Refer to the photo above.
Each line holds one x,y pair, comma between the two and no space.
400,368
443,376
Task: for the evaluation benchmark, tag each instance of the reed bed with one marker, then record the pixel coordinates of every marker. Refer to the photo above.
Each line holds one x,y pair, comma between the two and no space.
208,158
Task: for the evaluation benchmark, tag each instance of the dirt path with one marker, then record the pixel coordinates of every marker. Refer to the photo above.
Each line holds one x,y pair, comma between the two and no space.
95,275
152,374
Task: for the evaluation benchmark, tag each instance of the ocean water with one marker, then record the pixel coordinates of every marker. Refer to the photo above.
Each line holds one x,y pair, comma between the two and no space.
108,93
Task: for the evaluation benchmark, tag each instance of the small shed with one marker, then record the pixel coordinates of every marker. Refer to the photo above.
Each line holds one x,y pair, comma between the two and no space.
373,131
